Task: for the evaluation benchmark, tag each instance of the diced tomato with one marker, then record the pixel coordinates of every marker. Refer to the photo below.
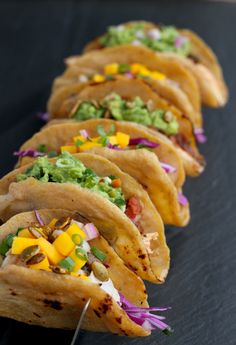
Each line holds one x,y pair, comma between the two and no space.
116,183
133,208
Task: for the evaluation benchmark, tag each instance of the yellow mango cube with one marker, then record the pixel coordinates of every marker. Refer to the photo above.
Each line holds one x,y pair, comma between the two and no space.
48,249
95,139
69,148
113,140
98,78
74,229
79,263
157,75
83,276
122,139
25,233
64,244
111,69
20,243
43,265
79,137
137,68
88,146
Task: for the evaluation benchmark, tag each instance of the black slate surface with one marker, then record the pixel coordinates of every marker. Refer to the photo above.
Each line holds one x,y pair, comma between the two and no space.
34,39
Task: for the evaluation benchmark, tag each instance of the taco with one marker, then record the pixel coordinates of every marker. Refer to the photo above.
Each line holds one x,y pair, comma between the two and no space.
53,261
179,45
130,100
132,154
169,80
111,199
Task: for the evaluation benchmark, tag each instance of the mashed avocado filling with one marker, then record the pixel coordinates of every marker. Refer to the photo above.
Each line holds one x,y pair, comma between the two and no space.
165,39
135,111
69,169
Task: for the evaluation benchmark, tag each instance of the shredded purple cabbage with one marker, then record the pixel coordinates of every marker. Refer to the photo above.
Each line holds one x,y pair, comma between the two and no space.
114,147
143,317
38,217
143,141
182,199
29,153
43,116
168,168
199,135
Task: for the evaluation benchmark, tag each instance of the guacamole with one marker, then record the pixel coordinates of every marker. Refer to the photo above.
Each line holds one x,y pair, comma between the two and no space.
68,169
135,111
165,39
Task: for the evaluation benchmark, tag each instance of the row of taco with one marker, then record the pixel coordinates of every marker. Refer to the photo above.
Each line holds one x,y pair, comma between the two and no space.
84,210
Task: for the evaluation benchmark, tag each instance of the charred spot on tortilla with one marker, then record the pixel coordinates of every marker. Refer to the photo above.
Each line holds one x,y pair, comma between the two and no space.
97,313
194,58
13,293
118,319
53,304
37,315
106,304
141,255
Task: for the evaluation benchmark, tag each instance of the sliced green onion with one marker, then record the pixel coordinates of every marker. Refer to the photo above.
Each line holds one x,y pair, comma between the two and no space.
103,141
42,148
123,67
77,239
101,131
98,253
4,247
81,254
67,263
19,230
109,77
119,202
79,142
9,240
52,154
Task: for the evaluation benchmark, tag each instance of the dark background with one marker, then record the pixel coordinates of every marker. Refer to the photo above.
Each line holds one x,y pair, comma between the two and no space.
34,40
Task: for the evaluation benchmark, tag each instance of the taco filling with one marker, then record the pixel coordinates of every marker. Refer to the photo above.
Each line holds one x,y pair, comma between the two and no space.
84,142
63,247
68,169
123,71
113,106
163,39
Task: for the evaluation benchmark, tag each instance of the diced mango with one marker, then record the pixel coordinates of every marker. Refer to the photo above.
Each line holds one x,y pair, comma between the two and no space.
52,223
88,145
25,233
83,276
43,265
20,243
69,148
122,139
113,140
79,263
74,229
157,75
111,69
95,139
79,137
98,78
138,68
64,244
48,249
